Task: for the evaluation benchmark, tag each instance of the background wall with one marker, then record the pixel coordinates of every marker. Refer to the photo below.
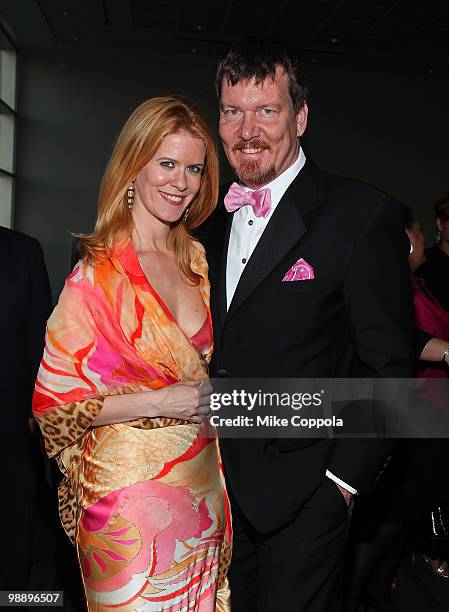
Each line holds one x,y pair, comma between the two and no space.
387,129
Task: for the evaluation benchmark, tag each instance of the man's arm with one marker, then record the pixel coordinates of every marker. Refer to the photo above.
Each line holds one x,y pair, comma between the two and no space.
40,309
378,300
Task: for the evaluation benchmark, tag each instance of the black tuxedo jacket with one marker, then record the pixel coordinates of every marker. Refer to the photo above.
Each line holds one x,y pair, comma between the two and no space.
354,319
25,306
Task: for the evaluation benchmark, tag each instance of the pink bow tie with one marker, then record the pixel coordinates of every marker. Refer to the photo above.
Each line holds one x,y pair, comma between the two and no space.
237,197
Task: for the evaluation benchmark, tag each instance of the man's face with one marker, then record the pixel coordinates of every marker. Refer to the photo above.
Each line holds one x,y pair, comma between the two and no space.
259,128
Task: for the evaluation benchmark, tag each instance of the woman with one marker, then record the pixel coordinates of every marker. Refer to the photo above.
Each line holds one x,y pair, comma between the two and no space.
435,272
432,324
412,484
122,393
432,321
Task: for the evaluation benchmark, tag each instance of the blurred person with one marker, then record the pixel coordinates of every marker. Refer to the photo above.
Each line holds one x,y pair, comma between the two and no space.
122,394
412,489
432,322
25,307
435,271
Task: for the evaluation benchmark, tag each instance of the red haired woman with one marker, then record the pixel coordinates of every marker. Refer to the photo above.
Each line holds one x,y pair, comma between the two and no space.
123,392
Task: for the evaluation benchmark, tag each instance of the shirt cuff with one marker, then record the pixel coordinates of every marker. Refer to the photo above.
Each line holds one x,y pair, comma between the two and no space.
341,483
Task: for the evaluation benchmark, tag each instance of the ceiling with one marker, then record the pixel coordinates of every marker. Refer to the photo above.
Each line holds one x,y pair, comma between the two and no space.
398,35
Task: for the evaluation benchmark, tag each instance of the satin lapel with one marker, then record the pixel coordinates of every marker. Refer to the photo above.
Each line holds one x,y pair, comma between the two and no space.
285,228
217,253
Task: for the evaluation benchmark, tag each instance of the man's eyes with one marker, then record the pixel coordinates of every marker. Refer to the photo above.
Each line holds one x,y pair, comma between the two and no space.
232,112
265,112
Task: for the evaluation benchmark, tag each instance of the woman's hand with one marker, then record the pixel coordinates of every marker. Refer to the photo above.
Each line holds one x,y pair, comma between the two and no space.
189,400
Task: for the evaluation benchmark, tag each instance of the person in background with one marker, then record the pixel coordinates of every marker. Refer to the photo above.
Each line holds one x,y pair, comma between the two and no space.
24,309
432,323
412,486
435,271
122,391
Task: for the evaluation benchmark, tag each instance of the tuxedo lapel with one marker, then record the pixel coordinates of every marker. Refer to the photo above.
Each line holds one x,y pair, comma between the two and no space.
217,253
285,228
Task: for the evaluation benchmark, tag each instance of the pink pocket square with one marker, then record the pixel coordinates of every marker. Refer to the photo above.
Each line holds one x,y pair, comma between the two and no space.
301,270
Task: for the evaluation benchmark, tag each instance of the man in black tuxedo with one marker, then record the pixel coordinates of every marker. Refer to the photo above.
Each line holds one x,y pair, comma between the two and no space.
24,309
346,312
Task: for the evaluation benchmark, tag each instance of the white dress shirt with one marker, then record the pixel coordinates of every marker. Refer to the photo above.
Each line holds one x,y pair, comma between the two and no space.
246,231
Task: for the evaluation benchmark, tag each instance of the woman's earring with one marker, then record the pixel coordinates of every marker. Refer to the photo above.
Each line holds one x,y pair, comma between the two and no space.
130,194
438,237
186,215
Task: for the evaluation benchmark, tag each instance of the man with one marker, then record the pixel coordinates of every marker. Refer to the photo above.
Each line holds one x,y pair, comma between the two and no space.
351,318
25,307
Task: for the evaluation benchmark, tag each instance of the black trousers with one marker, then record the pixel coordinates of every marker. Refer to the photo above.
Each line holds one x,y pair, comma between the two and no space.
296,568
17,518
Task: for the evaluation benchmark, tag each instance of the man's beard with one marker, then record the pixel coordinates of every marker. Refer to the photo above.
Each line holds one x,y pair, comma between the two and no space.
249,171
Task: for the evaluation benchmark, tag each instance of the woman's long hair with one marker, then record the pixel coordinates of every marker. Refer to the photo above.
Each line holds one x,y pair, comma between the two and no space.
137,143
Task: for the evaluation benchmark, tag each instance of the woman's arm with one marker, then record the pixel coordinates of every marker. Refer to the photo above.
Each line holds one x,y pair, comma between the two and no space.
434,350
189,401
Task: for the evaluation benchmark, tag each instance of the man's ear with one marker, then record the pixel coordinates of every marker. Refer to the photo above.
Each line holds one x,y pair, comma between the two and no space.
301,119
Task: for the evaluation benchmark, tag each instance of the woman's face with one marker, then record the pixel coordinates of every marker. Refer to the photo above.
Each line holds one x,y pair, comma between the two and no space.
417,242
443,227
168,183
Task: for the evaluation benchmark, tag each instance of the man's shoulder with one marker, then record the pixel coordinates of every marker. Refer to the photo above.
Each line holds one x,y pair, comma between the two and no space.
13,240
351,191
354,200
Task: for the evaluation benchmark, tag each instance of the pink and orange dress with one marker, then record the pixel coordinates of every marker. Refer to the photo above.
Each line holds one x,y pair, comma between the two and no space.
143,501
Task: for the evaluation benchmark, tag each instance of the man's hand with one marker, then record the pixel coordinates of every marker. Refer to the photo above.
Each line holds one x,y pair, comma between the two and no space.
346,494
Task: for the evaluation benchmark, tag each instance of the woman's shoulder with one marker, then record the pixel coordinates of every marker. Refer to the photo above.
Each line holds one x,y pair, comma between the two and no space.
88,275
198,249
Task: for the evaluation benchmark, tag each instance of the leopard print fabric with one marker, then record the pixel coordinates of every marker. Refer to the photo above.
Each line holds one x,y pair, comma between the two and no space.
155,423
225,562
223,603
67,509
63,428
64,425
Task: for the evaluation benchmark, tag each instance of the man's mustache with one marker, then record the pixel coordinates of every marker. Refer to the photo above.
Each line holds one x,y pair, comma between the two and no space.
256,143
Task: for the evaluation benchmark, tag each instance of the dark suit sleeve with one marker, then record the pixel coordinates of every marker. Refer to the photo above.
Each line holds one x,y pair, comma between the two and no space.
39,311
378,301
201,233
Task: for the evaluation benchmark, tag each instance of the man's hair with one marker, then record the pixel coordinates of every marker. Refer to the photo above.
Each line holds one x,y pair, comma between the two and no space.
258,58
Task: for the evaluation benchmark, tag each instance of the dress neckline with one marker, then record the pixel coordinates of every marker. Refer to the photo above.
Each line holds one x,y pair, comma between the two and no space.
167,309
130,260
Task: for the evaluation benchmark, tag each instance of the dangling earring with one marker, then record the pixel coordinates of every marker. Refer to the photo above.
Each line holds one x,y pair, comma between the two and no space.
438,237
186,215
130,194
